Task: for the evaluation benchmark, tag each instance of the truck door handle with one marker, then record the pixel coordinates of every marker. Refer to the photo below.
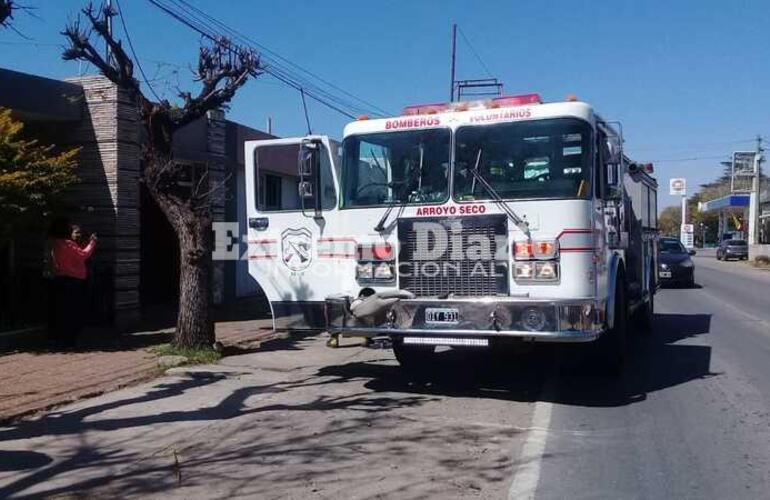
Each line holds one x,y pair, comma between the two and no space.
259,223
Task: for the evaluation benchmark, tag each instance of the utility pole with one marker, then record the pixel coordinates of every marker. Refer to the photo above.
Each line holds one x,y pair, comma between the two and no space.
452,65
108,52
756,188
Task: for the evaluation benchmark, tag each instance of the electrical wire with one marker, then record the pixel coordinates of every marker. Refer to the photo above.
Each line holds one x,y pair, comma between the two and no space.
692,147
201,23
206,32
695,158
133,52
476,54
274,54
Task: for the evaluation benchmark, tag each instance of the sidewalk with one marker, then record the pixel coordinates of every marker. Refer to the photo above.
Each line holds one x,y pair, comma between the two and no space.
38,379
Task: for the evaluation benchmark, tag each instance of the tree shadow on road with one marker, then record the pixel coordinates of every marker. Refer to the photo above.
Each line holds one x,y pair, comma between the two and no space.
88,463
354,421
560,374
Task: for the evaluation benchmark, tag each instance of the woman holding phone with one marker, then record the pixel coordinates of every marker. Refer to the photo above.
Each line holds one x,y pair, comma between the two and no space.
70,272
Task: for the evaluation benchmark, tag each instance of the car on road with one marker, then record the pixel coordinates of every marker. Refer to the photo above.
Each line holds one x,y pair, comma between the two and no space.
733,249
675,265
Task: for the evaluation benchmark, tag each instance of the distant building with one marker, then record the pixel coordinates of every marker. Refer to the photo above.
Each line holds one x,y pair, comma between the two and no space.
136,265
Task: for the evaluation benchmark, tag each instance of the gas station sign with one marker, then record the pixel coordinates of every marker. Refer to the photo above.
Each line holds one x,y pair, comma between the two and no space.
686,235
677,186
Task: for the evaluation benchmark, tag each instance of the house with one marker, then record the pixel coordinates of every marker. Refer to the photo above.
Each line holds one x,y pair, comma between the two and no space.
135,267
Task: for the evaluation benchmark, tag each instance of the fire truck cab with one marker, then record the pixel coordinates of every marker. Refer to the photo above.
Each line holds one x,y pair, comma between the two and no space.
462,224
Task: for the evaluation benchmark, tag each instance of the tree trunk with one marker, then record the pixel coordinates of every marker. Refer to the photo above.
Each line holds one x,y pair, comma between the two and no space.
195,325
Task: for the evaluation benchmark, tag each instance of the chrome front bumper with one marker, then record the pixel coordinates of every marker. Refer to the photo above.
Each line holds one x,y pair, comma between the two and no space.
482,317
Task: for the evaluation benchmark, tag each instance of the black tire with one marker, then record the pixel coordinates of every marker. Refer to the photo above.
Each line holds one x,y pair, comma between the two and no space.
718,257
610,349
413,357
691,281
645,315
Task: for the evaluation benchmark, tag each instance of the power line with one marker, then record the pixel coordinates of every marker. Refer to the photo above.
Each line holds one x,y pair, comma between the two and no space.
133,52
695,158
202,28
263,48
476,54
274,68
201,23
692,147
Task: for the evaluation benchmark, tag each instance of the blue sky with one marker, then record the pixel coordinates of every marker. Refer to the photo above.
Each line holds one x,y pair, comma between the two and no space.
686,79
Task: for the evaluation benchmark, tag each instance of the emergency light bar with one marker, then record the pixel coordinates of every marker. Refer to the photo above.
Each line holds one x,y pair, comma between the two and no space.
497,102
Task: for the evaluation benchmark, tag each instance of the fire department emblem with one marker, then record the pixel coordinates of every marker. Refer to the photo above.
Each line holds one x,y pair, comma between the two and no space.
296,249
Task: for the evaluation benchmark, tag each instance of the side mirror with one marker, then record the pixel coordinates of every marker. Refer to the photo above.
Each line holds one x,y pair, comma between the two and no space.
305,189
309,170
614,181
692,252
614,150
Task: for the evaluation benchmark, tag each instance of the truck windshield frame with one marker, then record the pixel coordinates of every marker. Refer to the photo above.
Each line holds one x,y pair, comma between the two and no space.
383,168
534,159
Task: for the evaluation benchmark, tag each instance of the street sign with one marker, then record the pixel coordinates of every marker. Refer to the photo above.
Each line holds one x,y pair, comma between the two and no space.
677,186
743,169
686,235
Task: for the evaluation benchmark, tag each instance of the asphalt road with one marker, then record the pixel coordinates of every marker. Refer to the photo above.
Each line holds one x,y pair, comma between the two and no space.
689,419
691,416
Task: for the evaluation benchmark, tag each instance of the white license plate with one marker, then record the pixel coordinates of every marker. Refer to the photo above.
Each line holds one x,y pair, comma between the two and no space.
442,315
665,274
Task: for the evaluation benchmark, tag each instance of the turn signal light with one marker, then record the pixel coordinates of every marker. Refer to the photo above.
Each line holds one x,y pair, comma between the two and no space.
379,251
543,249
522,250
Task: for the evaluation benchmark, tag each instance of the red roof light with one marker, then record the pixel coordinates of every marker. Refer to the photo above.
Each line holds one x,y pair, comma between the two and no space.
426,109
517,100
514,100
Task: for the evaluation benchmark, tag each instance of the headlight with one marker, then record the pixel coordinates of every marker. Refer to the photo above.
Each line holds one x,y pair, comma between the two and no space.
546,271
365,271
533,319
686,263
376,262
524,271
383,271
536,271
664,267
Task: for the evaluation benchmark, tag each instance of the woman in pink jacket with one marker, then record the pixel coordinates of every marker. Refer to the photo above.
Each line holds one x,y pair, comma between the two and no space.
69,269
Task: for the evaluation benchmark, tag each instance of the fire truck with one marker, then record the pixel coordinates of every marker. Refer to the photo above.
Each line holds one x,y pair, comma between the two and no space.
466,224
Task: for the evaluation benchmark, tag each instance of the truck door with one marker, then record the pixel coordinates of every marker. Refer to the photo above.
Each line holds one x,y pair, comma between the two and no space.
286,225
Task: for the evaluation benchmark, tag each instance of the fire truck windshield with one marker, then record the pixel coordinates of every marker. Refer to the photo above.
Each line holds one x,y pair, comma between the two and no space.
396,167
524,160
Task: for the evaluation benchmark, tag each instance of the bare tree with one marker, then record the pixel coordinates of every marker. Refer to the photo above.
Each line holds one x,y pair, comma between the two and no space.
222,70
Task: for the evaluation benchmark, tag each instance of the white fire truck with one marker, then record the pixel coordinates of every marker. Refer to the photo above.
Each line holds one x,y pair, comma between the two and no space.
467,224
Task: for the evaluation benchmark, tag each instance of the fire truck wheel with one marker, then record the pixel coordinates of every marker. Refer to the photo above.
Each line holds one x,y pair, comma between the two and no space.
645,315
610,349
413,357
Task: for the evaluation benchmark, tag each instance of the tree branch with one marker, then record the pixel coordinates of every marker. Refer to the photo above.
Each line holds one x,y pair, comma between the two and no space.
119,69
222,70
6,12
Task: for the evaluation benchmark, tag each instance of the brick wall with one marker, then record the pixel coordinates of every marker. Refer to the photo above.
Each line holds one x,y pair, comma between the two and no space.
107,198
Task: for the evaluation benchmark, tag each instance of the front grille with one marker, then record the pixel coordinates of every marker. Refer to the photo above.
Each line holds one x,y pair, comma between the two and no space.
455,271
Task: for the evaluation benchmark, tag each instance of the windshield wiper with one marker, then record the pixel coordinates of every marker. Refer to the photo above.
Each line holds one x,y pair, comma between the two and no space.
397,201
477,177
